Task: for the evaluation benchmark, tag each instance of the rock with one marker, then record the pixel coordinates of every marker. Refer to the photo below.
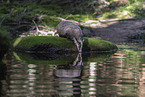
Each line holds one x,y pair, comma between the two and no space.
52,44
86,32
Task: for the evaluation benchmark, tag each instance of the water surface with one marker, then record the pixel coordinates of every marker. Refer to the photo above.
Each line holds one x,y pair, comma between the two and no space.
121,74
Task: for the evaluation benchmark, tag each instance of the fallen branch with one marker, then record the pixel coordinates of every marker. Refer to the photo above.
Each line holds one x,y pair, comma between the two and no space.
42,32
62,19
112,20
73,21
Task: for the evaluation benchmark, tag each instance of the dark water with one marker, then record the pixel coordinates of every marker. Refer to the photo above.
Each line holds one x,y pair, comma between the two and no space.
121,74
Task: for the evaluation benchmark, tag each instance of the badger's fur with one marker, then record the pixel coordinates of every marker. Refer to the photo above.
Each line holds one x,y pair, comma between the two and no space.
71,31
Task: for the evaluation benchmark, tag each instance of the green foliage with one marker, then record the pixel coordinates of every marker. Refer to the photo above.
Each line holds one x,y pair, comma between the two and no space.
50,21
44,13
49,9
136,9
3,8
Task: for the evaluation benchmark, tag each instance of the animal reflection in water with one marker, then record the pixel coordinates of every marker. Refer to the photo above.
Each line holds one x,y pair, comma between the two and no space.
72,70
71,31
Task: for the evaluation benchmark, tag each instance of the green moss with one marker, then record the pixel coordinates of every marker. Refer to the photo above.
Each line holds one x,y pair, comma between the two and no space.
98,45
36,40
47,9
90,44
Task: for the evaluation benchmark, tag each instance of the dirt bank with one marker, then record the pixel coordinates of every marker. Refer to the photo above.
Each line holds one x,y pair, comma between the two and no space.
119,31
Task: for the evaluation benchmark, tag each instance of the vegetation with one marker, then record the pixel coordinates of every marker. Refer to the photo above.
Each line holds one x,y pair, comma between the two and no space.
132,10
16,16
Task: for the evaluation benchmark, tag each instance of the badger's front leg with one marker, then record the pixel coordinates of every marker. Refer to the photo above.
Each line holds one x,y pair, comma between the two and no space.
81,44
76,43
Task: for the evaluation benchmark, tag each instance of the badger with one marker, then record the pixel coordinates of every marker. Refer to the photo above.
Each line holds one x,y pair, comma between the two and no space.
71,31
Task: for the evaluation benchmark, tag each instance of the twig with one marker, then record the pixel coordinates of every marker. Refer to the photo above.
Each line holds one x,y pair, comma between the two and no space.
62,19
37,29
41,16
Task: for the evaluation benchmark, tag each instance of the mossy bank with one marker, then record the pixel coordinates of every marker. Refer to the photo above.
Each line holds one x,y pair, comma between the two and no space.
50,44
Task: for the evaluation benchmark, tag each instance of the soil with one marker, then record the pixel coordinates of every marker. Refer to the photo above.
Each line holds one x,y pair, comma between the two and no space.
119,31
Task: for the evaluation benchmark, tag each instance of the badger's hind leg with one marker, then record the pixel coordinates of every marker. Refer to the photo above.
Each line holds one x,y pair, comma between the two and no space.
76,43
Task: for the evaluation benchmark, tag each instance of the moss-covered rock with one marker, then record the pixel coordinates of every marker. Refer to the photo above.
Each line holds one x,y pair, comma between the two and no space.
98,45
60,45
